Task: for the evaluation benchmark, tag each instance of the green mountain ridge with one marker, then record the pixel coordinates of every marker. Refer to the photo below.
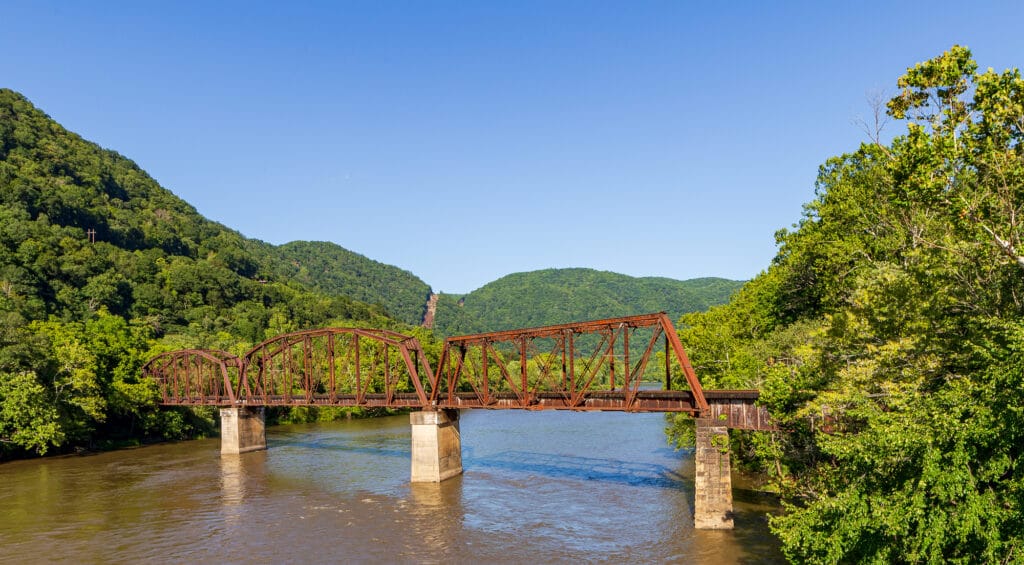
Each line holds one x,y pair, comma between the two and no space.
553,296
332,269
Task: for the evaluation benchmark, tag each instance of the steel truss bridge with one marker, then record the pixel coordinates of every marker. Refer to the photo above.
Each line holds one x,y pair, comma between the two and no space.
594,365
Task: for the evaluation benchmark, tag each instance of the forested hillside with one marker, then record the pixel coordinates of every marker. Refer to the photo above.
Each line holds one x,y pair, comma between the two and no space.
335,270
888,336
101,268
554,296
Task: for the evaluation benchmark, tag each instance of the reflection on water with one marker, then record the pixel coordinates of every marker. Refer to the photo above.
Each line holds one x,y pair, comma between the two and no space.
436,512
232,493
550,486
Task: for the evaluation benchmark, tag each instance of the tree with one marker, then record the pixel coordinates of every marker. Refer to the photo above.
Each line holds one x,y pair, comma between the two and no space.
886,336
28,419
77,390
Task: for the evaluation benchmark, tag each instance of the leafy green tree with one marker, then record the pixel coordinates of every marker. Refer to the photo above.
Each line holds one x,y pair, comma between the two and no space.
74,380
28,418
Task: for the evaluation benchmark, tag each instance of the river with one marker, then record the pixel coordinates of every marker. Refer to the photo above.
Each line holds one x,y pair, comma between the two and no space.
538,487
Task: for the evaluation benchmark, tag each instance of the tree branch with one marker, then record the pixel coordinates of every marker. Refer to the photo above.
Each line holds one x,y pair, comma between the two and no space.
1006,246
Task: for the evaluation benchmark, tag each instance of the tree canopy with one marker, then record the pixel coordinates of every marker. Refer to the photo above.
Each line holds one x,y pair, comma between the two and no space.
887,334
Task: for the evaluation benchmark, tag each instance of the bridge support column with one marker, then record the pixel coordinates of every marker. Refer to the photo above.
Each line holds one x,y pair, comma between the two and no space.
712,508
436,445
242,430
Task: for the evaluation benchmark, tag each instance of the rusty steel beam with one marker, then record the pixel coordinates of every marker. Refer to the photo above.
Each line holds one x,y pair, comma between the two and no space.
579,371
296,367
194,373
591,326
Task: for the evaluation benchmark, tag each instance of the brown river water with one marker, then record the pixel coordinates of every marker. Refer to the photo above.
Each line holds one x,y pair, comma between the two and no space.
538,488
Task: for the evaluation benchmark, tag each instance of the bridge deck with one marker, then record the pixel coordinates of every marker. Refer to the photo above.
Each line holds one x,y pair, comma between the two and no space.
736,408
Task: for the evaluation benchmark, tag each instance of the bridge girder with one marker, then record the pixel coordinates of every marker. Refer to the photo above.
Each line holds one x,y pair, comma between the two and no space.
585,366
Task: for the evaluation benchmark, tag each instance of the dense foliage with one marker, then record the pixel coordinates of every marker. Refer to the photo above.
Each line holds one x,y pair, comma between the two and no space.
554,296
338,271
887,336
451,318
101,268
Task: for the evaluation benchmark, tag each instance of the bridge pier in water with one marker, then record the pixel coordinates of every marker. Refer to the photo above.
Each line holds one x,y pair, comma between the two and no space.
242,430
436,445
712,508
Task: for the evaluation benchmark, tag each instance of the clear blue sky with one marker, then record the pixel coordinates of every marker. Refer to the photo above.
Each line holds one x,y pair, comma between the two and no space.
467,140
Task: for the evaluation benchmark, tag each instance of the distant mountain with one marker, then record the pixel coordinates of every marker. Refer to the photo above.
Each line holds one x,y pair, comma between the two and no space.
335,270
553,296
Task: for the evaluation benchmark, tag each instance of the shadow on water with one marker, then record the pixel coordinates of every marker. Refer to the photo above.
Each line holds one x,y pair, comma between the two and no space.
334,445
754,497
584,469
760,545
757,545
751,538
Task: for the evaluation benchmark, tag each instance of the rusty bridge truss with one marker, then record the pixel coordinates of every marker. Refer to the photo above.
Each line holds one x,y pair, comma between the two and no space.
606,364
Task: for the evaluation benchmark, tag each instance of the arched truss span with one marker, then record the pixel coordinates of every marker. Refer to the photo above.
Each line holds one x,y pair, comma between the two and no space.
195,376
337,367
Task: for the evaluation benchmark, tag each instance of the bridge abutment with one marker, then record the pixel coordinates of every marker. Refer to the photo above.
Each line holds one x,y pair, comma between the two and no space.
712,508
242,430
436,445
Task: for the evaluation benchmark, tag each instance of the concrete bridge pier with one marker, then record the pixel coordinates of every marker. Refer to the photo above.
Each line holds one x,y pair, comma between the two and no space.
242,430
436,445
712,508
